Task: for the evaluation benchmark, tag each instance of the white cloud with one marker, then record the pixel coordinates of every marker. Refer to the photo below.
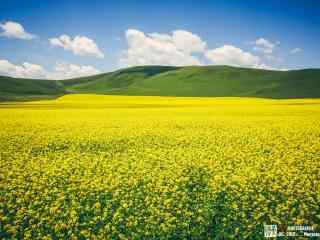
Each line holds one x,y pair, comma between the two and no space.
25,70
188,42
295,50
66,70
268,67
179,49
79,45
60,71
233,56
14,30
162,49
264,45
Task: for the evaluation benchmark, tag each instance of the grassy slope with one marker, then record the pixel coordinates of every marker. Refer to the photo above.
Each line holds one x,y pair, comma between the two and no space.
119,80
226,81
28,89
178,81
206,81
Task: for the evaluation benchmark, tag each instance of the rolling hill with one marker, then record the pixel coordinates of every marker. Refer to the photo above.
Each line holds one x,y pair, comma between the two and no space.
208,81
25,89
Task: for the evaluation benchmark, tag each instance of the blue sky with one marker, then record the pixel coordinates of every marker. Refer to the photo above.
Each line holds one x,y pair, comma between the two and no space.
63,39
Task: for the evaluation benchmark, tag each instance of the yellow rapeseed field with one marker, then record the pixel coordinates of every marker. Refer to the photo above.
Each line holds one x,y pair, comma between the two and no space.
114,167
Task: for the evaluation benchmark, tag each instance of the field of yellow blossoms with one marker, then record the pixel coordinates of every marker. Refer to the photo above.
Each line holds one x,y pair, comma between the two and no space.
112,167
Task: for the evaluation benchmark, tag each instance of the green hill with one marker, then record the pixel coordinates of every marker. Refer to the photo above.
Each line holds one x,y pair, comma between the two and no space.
178,81
25,89
120,80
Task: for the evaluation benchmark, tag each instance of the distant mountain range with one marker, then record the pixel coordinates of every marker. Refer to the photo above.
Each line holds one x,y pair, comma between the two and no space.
200,81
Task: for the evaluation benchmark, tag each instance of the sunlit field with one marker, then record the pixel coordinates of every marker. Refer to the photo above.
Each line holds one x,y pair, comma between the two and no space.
112,167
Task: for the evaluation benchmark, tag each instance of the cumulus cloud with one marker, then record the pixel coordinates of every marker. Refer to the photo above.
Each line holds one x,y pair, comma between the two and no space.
181,48
25,70
264,45
79,45
66,70
188,42
60,71
268,67
295,50
162,49
14,30
233,56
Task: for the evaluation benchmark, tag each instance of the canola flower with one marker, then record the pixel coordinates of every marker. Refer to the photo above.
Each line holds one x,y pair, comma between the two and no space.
111,167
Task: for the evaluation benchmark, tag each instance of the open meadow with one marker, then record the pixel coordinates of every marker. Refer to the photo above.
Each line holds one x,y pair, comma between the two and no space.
120,167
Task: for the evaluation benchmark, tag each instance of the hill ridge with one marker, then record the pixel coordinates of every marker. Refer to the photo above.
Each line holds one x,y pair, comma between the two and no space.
197,81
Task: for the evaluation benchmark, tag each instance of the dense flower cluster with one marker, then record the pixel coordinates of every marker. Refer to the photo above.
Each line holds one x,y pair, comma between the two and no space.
103,167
